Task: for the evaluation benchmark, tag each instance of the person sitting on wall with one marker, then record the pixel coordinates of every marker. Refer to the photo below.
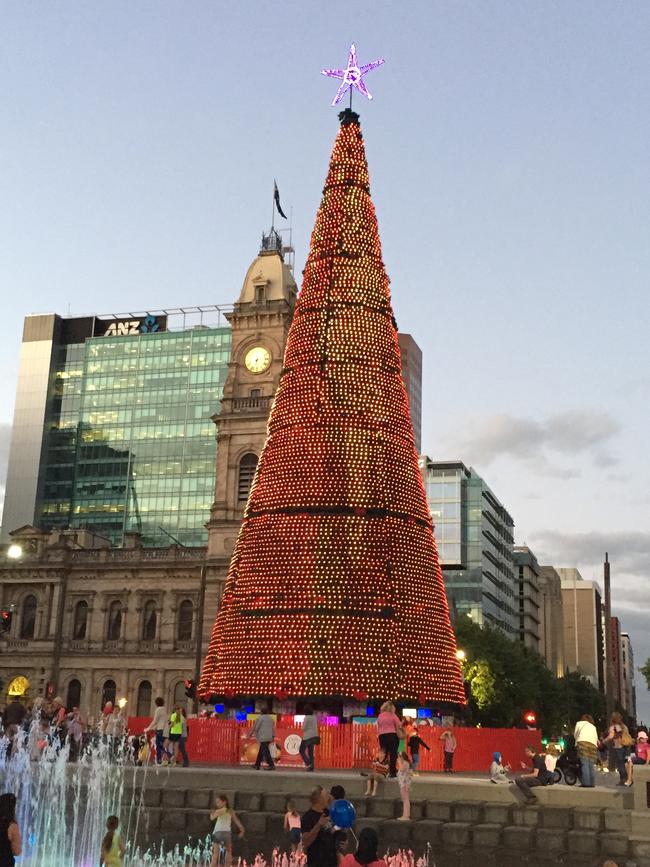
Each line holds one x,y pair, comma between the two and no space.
540,775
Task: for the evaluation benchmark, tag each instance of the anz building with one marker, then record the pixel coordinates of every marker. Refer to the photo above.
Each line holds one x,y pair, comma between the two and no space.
112,427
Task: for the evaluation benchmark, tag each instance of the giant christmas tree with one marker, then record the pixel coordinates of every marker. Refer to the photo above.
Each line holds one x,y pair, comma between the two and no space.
334,588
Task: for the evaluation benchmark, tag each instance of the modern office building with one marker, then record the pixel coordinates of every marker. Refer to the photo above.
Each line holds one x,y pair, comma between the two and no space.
584,647
112,427
551,626
527,572
628,684
474,533
412,376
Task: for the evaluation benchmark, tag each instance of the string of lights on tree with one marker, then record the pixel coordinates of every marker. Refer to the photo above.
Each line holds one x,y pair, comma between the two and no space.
335,588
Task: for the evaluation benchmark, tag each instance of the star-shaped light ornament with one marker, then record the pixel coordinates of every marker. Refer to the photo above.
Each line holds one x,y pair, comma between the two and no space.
352,76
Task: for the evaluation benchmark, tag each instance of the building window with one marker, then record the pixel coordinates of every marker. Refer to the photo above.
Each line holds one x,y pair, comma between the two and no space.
149,621
247,467
74,694
80,621
256,392
144,699
109,693
179,694
260,294
114,621
185,617
28,619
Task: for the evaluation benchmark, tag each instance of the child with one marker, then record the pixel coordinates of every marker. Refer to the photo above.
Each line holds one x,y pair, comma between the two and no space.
112,853
640,756
499,773
404,774
378,771
222,831
292,826
414,744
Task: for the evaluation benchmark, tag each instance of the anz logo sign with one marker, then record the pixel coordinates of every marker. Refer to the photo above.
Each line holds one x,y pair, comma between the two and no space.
121,328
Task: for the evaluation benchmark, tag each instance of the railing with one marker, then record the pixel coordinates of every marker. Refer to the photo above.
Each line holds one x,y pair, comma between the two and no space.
250,404
345,746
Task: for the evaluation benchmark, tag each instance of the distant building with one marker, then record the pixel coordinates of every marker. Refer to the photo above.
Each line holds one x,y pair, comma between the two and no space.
527,572
412,376
584,649
551,615
628,685
474,533
617,671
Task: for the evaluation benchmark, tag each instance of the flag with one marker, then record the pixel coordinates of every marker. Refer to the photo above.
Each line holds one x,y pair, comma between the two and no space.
276,196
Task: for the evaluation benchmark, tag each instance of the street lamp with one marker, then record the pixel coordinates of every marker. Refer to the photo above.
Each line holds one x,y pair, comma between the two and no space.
14,552
121,703
461,655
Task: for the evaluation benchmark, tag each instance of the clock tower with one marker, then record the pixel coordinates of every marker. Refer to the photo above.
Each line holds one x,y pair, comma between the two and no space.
260,322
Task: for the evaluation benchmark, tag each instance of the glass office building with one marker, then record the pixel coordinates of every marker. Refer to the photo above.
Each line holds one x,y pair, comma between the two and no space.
475,540
113,429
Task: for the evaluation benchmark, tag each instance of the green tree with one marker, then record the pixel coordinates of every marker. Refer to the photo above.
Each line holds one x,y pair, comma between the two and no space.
506,679
645,671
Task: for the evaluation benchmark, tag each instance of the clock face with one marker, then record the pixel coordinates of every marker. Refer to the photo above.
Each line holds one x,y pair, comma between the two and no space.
257,359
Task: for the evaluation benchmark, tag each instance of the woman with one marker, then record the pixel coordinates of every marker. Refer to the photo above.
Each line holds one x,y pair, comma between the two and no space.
178,734
10,842
158,724
619,737
448,739
586,737
310,738
641,756
389,729
366,854
499,771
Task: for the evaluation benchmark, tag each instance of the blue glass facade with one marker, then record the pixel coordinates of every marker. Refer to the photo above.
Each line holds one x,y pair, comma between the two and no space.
475,540
129,443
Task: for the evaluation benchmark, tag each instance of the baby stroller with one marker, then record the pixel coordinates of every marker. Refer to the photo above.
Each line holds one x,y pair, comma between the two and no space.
568,766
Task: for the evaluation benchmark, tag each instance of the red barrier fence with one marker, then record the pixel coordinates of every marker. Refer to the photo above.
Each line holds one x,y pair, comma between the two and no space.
226,742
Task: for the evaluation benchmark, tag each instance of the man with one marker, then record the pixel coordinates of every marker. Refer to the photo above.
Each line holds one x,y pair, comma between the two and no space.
318,839
539,777
264,733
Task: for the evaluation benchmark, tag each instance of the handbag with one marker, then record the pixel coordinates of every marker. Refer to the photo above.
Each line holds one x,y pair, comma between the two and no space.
626,738
401,733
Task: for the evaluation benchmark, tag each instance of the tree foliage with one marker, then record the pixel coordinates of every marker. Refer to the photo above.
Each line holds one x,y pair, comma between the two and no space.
645,671
505,679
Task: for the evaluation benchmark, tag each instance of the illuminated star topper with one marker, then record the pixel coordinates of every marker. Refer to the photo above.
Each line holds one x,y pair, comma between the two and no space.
352,76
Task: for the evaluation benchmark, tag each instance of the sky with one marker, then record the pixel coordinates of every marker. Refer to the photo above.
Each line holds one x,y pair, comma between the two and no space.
507,145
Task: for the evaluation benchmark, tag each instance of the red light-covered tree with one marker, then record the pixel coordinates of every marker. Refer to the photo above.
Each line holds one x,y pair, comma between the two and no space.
334,588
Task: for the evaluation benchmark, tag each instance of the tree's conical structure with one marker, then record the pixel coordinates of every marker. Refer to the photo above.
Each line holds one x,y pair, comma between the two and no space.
335,588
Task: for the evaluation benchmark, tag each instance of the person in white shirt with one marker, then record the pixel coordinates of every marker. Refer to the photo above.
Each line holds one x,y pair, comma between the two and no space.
158,723
585,735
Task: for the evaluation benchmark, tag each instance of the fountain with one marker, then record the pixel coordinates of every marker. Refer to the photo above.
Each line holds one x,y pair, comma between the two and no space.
62,806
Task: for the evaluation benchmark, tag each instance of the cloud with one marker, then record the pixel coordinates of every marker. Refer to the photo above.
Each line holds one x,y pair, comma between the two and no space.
629,554
535,442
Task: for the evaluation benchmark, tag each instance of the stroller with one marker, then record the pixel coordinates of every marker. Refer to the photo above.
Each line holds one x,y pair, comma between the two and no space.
568,766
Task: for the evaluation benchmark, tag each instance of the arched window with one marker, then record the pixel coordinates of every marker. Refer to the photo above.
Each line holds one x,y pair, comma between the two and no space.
179,693
108,693
28,619
144,699
149,621
114,621
80,621
185,617
247,467
74,694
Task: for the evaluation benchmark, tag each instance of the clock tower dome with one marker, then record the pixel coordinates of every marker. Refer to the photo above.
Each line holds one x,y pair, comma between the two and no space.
260,322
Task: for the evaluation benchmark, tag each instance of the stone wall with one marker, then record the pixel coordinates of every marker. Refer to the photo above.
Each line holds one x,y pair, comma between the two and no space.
505,834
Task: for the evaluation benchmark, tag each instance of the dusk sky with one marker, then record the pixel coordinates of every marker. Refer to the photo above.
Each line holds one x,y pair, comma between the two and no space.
508,153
